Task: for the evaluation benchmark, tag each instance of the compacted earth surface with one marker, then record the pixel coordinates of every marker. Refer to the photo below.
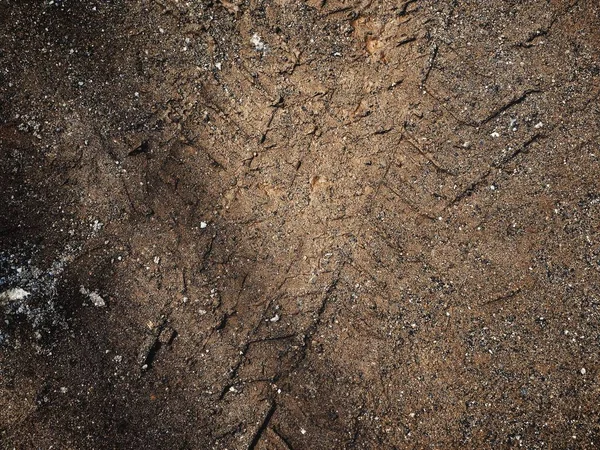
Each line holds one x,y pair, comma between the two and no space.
322,224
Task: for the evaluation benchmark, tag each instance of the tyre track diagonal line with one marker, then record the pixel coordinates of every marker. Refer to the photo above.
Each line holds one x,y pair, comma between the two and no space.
514,101
249,341
283,440
262,427
474,185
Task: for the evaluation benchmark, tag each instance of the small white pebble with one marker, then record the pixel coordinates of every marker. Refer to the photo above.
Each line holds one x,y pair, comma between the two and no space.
495,134
538,125
203,225
157,260
14,294
582,371
97,300
302,430
94,297
259,45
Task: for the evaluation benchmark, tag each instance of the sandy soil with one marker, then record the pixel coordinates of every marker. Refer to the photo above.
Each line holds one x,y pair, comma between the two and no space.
299,225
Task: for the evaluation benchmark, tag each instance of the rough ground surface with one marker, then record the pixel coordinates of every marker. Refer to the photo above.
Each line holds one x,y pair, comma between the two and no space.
316,225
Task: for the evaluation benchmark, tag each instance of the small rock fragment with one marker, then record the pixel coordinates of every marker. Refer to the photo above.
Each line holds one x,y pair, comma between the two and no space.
13,295
94,297
259,45
97,300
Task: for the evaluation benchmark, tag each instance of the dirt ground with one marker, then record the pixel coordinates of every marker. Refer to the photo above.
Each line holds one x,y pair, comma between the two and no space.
278,224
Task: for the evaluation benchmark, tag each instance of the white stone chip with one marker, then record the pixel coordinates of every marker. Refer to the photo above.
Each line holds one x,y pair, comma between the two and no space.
13,295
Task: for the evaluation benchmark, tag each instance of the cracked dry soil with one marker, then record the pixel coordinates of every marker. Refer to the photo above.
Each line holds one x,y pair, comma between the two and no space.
299,225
